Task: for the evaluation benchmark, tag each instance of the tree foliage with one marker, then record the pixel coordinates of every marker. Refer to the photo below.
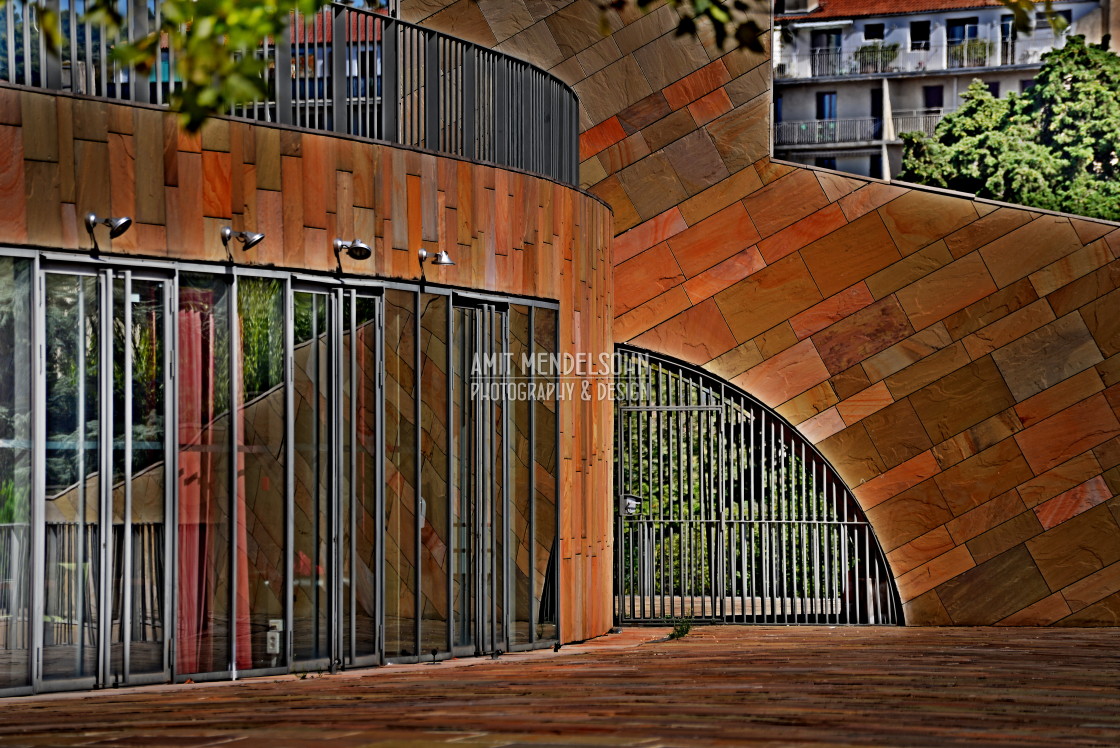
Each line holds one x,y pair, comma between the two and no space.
1055,146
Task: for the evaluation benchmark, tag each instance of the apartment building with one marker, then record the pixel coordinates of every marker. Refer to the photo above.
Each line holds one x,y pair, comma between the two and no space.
851,75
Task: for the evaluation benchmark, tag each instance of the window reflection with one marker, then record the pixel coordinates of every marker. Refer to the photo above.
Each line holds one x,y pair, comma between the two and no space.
15,472
260,474
202,626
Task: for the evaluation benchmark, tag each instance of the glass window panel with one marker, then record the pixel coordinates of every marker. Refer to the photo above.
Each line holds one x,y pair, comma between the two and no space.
462,471
202,628
545,474
312,476
15,471
72,563
260,473
148,479
138,487
362,559
520,444
400,474
496,457
434,468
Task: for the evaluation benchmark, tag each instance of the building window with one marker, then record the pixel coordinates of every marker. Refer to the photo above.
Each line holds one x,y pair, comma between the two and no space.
875,166
919,35
825,162
933,99
993,88
1026,84
960,29
873,32
826,105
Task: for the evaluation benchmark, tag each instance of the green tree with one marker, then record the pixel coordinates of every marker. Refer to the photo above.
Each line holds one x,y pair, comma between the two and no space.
1055,146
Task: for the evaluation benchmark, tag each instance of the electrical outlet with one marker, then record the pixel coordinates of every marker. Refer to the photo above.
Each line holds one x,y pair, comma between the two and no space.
272,643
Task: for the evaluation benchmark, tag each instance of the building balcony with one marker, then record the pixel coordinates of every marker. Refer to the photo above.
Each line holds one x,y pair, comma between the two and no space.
855,130
880,59
346,70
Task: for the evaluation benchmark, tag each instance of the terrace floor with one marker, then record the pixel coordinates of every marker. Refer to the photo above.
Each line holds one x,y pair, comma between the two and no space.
717,686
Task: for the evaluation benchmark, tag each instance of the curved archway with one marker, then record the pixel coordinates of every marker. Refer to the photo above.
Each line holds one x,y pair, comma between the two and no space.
726,514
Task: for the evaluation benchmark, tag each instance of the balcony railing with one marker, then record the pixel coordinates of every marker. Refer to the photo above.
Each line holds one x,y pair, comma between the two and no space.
854,130
346,70
877,59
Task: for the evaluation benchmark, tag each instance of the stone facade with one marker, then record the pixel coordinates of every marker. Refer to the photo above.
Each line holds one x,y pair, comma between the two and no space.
957,360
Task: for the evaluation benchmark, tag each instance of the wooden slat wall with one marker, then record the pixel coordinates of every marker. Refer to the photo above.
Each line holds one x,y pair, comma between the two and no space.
508,232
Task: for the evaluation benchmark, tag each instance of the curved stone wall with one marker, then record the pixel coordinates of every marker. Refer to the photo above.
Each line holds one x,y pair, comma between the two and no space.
957,360
508,232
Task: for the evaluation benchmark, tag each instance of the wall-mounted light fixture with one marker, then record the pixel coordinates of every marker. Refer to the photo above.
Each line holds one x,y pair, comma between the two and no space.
248,240
117,226
440,258
355,250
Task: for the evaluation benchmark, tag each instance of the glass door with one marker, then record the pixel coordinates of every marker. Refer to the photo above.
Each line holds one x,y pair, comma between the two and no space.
480,371
336,478
103,534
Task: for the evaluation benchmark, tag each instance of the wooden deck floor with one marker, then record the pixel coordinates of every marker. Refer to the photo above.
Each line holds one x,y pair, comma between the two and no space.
718,686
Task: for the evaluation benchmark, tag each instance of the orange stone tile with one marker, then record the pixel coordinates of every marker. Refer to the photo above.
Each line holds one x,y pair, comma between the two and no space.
946,291
1013,326
987,229
698,334
216,184
933,573
707,108
773,207
768,297
919,218
650,274
693,86
647,234
868,198
1066,434
650,314
896,480
713,240
862,334
1043,613
1096,586
601,136
1029,248
921,550
927,370
831,310
720,195
1058,479
836,186
808,404
1071,267
1089,230
721,276
821,426
960,400
983,477
986,516
786,375
802,233
1073,502
1062,395
874,398
850,254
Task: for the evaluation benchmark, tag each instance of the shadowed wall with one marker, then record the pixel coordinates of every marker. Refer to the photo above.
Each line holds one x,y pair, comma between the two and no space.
955,359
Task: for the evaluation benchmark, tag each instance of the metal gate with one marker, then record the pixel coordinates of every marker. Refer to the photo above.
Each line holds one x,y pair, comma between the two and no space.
726,514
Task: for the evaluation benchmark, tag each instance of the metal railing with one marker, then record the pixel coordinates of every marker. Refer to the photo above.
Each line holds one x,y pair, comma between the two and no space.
855,130
347,70
726,514
882,59
815,131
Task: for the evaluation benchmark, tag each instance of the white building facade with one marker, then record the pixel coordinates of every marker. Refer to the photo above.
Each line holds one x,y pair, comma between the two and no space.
851,75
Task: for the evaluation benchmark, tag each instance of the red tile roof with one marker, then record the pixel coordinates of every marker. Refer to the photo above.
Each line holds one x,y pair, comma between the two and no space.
860,8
